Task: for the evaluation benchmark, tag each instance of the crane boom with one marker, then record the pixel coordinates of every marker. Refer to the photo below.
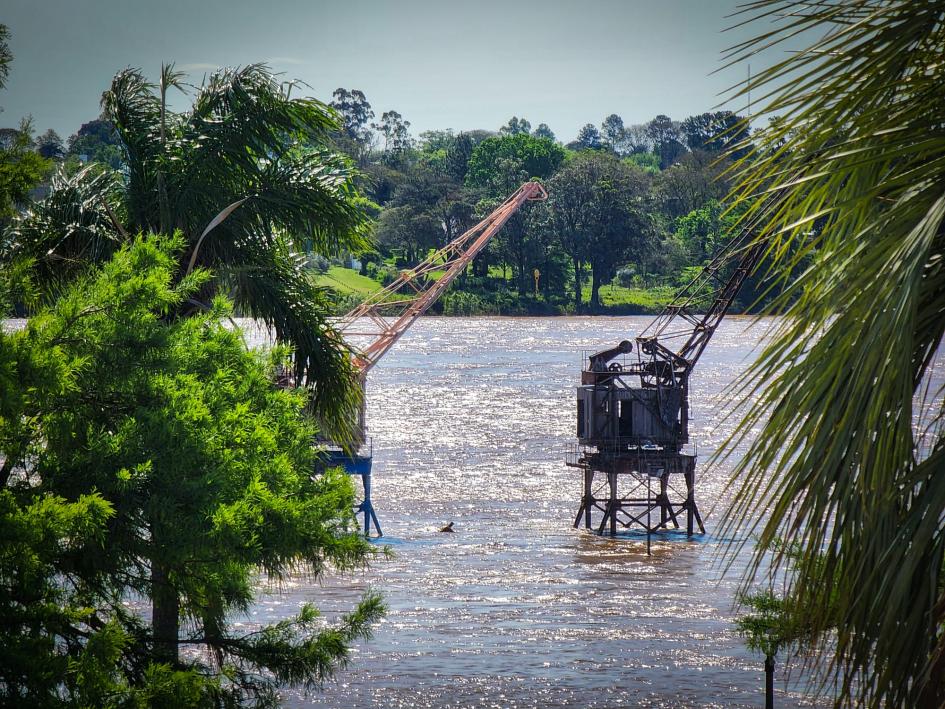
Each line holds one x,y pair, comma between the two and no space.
387,314
696,329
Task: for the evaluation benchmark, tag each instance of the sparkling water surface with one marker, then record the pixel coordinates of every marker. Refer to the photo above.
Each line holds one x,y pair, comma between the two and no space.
470,420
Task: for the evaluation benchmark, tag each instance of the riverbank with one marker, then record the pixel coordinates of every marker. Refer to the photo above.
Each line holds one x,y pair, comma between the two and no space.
496,296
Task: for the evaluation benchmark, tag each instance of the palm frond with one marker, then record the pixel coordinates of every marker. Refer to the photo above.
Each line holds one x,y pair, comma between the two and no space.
269,282
134,109
76,225
858,161
245,138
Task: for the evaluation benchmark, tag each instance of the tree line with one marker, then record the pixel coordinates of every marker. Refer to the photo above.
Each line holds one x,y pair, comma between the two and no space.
636,206
642,201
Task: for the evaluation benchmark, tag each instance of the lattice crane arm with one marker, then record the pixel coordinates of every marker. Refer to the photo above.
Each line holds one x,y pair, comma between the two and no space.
387,314
679,321
696,330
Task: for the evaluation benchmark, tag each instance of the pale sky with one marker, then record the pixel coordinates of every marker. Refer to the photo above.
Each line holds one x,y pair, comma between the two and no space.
440,63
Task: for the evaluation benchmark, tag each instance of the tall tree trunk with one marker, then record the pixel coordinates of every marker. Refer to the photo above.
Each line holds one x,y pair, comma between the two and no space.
769,682
577,284
595,287
165,615
522,268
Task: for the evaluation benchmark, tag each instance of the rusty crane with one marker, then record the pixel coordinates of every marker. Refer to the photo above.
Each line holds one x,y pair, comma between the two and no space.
373,327
633,406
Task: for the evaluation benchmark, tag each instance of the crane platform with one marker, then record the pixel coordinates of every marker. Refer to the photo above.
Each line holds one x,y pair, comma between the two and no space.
633,410
360,465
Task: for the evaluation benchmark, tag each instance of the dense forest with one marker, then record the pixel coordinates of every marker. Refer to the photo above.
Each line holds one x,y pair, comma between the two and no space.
634,210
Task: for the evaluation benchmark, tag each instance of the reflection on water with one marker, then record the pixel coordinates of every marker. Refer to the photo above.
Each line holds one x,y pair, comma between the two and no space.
470,419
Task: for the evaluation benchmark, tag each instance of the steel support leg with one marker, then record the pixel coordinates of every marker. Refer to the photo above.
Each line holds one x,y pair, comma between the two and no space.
587,500
692,511
588,496
612,479
368,508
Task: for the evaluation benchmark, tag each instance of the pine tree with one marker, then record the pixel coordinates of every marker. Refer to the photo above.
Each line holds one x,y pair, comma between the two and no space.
150,456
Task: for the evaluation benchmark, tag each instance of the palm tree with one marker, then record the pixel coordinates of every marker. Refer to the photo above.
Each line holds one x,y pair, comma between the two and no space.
245,176
849,464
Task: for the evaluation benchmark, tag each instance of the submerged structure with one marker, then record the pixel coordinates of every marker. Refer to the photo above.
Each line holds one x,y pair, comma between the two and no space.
639,471
372,328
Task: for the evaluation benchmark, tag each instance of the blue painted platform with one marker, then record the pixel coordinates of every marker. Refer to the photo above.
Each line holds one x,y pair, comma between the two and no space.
356,465
353,465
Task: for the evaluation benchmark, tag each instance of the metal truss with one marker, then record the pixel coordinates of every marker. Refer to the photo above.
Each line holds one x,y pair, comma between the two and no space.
386,315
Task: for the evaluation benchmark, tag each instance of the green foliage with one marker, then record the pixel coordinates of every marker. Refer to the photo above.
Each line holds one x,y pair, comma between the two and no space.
536,157
777,623
768,627
343,302
408,231
17,287
846,451
543,131
458,156
147,455
588,138
716,132
465,304
516,126
596,206
247,160
705,230
43,535
433,141
395,131
49,145
75,214
21,169
647,161
665,136
612,132
692,181
355,112
98,141
436,161
497,302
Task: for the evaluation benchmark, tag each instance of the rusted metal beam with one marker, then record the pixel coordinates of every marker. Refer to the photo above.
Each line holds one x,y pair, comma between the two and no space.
392,316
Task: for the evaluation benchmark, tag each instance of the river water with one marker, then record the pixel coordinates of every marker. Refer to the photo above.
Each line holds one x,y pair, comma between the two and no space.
471,419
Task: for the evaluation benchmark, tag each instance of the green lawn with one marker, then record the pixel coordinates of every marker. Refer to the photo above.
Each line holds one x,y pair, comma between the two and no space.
651,299
496,272
346,280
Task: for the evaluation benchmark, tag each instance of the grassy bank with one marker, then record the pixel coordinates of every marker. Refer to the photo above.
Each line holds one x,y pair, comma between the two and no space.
346,281
617,300
501,299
